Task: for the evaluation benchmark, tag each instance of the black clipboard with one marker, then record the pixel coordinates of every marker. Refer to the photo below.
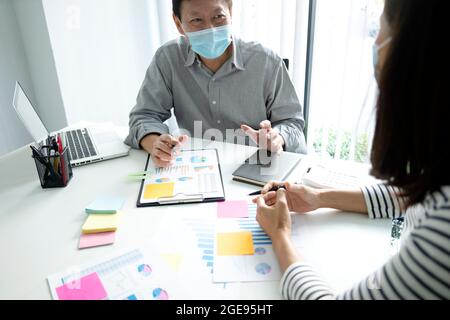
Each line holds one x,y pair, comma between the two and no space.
181,198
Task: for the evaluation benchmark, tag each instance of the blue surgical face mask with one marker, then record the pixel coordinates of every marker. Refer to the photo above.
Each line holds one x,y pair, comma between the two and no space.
376,56
210,43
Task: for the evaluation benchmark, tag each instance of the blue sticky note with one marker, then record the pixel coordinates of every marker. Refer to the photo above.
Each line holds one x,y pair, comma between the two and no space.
105,205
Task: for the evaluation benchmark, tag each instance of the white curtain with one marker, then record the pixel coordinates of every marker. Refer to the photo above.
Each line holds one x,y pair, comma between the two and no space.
280,25
343,87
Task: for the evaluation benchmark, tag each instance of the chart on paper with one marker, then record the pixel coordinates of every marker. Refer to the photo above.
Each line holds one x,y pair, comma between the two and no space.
193,174
128,276
242,250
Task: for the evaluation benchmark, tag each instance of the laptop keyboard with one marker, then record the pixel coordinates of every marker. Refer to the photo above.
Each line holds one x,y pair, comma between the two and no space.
80,144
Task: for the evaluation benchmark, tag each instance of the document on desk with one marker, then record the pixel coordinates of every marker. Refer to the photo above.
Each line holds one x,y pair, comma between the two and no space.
130,275
186,244
195,176
243,251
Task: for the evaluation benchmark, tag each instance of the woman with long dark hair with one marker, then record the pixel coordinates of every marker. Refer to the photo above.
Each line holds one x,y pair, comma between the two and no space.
411,153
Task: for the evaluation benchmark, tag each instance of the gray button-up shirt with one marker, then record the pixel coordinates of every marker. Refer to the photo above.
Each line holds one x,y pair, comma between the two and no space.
252,86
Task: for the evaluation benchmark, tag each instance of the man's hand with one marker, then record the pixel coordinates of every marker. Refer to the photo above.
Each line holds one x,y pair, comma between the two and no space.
266,137
163,148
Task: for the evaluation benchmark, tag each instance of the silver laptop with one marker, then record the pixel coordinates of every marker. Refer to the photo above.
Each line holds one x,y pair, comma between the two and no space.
86,145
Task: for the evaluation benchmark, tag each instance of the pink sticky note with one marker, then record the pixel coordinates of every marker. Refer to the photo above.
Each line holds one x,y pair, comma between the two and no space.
232,209
87,288
96,239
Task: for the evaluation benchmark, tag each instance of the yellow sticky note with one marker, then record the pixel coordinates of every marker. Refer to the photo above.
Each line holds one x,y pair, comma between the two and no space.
235,244
173,260
96,223
159,190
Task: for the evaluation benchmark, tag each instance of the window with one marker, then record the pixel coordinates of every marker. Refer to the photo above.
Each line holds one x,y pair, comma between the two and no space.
343,89
280,25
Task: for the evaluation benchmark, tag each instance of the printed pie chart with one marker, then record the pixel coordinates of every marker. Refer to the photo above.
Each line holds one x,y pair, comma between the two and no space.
260,251
263,268
160,294
145,270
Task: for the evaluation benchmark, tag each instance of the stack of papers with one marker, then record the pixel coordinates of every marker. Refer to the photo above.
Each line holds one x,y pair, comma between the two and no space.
102,222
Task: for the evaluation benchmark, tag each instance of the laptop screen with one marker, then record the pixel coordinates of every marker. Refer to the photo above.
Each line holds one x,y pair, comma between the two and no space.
28,115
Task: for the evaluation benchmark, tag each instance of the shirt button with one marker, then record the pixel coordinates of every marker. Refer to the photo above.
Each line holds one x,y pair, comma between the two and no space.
218,121
213,79
214,102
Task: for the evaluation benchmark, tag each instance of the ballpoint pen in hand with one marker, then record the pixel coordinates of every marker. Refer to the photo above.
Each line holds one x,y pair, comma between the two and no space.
274,189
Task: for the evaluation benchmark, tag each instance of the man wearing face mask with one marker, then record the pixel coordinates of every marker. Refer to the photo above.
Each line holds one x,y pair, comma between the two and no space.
209,75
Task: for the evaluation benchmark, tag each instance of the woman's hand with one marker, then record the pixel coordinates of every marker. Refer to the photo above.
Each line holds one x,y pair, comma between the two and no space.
276,222
276,219
300,199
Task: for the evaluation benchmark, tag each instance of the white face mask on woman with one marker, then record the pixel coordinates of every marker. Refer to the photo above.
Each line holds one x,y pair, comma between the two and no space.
376,56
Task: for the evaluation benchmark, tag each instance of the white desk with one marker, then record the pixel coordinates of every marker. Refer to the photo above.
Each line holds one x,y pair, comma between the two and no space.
39,229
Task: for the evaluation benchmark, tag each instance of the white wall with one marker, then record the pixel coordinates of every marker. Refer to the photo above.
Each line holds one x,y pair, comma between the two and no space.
13,66
25,55
36,39
102,50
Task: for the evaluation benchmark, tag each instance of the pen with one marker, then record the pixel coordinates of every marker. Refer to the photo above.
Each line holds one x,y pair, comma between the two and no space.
175,149
44,161
62,162
274,189
36,152
59,143
38,155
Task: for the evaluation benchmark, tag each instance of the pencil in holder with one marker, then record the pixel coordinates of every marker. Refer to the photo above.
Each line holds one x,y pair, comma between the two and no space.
54,170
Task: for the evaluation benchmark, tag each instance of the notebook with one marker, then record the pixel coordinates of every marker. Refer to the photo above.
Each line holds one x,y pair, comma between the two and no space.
263,167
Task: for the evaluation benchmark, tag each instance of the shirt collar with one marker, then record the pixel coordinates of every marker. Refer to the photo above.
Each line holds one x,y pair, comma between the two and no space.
237,54
236,58
191,56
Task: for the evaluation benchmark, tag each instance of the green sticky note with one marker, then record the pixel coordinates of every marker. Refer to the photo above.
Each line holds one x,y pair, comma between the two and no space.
105,205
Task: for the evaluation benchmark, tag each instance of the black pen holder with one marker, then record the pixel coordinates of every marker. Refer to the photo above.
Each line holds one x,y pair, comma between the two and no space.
54,170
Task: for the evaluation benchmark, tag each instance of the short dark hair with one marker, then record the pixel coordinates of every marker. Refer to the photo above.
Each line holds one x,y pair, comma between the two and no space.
411,146
176,6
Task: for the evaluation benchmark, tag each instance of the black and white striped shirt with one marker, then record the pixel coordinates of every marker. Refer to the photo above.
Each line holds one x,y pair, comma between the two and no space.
420,270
